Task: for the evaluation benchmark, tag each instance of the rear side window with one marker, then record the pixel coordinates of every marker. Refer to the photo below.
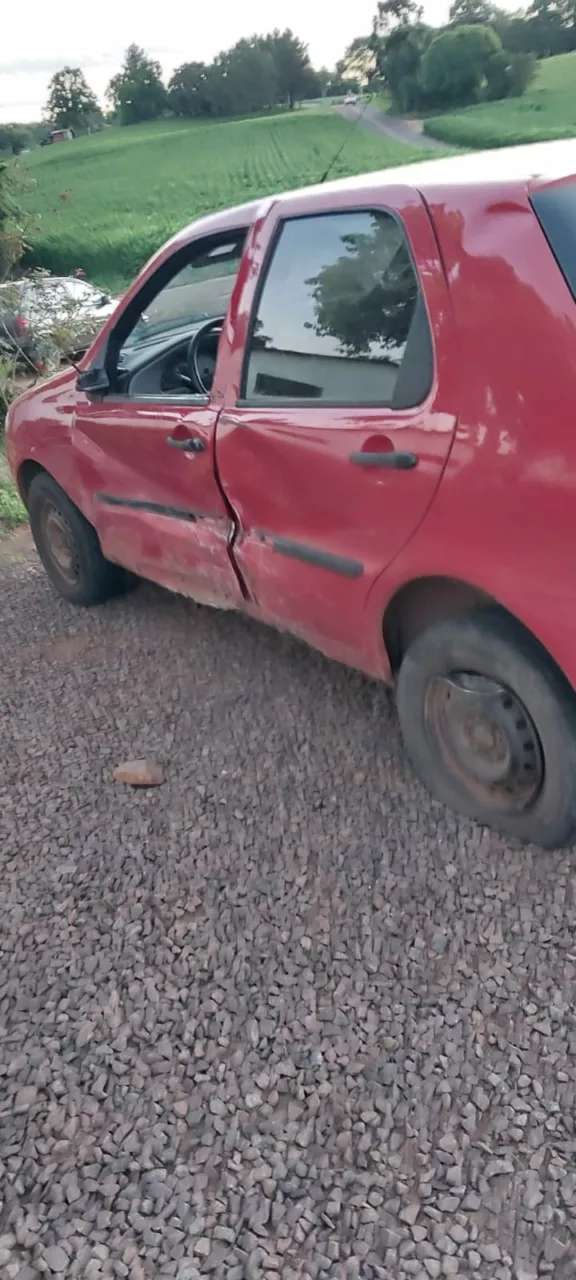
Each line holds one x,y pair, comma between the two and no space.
340,318
555,208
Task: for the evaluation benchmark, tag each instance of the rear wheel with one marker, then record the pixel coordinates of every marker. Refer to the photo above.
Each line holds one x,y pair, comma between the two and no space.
490,726
68,546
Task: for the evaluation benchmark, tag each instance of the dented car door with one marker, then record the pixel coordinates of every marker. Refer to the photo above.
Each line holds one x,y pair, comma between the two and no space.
336,425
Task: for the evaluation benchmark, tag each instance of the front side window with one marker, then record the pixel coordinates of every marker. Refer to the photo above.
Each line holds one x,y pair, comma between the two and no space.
199,292
338,306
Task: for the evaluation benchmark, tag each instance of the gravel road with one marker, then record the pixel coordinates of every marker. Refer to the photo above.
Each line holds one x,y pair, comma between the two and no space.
372,117
282,1016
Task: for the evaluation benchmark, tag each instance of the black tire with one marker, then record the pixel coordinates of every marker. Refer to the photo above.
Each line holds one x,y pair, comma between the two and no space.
88,579
533,714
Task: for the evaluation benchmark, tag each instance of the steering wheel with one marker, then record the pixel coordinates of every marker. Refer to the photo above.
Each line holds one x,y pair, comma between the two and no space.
192,355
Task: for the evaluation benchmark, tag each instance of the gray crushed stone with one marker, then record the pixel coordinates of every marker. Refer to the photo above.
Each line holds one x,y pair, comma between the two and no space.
283,1016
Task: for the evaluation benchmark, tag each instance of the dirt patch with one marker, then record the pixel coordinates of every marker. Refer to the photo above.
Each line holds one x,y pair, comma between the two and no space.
66,648
17,546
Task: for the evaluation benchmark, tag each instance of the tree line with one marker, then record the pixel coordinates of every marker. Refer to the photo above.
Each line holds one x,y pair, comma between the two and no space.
483,53
257,74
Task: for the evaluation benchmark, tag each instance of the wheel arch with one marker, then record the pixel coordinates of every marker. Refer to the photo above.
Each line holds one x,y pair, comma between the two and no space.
25,475
421,602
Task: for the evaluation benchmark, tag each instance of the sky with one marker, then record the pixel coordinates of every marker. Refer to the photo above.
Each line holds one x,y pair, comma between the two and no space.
94,37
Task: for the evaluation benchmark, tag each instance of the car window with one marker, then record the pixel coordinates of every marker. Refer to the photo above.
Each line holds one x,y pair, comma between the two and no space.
555,208
201,290
335,313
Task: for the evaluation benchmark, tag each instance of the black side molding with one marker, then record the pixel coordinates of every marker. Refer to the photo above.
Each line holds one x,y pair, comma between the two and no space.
323,559
137,504
393,460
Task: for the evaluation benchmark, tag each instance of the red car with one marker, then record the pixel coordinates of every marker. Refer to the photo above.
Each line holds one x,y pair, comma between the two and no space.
350,412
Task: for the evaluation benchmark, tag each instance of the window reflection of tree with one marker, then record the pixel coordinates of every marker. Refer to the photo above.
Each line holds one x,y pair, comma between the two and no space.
365,299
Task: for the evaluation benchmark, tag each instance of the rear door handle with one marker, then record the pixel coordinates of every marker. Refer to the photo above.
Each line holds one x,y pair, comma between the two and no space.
393,460
192,444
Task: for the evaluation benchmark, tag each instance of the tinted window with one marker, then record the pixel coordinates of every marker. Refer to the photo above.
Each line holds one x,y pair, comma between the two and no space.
555,208
336,312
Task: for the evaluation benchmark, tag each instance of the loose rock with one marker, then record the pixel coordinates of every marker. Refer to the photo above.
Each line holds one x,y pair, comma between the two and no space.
139,773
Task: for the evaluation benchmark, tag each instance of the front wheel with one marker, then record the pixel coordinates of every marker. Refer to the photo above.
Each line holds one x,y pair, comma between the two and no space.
490,726
68,546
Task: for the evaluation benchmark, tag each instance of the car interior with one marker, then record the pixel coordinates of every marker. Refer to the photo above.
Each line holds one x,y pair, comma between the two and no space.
172,343
172,364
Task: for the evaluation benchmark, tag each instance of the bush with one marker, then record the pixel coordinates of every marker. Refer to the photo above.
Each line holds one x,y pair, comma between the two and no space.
8,388
12,509
521,72
58,332
457,65
400,64
12,242
15,138
497,77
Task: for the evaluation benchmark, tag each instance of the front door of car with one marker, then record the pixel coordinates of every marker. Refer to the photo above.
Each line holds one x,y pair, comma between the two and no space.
145,449
338,423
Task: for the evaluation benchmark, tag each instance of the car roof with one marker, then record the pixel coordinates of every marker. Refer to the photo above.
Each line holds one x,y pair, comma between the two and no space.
546,161
43,282
30,284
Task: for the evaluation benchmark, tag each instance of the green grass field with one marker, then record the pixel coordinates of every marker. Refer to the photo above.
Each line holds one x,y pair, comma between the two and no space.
107,202
547,110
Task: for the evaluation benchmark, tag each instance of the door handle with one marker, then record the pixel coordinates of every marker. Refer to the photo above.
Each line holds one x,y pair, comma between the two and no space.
395,461
192,444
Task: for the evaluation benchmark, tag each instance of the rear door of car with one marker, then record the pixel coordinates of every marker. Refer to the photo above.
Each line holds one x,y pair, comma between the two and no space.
339,409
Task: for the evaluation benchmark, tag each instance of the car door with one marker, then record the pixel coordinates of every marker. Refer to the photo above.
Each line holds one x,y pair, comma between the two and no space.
339,417
146,450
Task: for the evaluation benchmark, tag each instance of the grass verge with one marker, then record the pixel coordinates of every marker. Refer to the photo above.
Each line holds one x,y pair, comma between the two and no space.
546,111
12,509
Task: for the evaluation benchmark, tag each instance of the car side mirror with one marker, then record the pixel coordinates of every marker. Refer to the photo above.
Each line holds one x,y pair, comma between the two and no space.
93,382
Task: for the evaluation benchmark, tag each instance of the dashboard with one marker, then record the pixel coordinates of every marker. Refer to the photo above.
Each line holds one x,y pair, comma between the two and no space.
160,365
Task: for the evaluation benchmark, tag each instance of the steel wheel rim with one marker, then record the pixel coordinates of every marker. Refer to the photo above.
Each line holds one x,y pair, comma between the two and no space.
61,545
486,738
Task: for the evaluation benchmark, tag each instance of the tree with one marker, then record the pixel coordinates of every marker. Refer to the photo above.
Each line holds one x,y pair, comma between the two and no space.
14,138
400,63
189,90
459,64
325,80
398,49
559,13
521,73
293,69
71,103
240,81
382,313
360,59
552,26
474,13
396,13
248,80
137,92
